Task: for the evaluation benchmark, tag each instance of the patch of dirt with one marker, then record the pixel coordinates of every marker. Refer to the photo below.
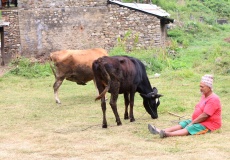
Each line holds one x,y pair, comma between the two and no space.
227,39
3,70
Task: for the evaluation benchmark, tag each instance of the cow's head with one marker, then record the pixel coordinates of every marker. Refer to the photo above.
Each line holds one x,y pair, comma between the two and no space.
151,102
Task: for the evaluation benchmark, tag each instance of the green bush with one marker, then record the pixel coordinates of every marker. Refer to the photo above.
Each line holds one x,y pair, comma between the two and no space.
155,60
26,68
220,7
179,36
167,5
196,6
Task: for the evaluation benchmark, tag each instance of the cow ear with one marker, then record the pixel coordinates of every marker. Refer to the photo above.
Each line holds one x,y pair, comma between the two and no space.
155,91
158,95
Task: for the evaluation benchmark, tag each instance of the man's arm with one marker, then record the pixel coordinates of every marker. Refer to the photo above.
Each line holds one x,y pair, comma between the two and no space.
201,118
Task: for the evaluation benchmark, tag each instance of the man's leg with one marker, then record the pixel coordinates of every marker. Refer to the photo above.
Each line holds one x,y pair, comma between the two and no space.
181,132
173,128
155,130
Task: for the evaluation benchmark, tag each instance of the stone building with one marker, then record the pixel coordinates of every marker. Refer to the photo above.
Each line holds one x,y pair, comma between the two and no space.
38,27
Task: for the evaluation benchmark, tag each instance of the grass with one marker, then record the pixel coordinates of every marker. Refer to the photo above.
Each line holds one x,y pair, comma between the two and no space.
34,127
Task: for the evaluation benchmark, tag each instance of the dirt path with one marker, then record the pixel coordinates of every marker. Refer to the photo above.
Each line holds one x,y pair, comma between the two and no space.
3,70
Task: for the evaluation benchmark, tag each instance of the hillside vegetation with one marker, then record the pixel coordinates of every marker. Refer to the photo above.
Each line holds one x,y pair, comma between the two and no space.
197,41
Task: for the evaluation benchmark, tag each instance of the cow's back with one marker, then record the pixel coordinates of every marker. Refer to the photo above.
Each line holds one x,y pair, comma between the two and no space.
78,56
87,57
119,68
76,65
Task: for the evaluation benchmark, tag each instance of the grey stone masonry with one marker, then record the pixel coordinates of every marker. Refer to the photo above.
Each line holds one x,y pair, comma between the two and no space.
39,27
12,43
28,4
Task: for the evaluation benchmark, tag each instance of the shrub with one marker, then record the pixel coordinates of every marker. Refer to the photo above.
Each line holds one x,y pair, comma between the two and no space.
29,69
220,7
155,60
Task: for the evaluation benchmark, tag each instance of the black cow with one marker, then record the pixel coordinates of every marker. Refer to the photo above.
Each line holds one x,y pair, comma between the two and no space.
124,75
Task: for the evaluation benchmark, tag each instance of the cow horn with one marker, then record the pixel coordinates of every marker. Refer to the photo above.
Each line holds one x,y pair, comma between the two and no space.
159,95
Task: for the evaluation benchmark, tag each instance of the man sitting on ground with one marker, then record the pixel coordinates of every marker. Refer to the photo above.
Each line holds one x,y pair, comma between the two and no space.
205,118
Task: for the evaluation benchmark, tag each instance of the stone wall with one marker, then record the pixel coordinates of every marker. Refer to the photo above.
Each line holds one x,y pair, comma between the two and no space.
11,34
46,30
28,4
50,25
145,30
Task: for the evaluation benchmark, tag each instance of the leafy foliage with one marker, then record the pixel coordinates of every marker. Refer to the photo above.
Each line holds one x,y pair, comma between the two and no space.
153,59
26,68
196,40
220,7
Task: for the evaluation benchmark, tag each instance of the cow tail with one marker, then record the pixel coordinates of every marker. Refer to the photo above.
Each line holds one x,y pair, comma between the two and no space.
52,68
106,74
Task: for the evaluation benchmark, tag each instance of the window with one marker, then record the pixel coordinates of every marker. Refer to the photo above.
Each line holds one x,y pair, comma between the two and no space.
8,3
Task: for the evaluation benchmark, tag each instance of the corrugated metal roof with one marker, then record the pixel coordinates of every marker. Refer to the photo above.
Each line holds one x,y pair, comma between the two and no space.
146,8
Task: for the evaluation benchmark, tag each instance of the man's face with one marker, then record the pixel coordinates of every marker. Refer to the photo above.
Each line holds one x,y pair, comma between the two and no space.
204,89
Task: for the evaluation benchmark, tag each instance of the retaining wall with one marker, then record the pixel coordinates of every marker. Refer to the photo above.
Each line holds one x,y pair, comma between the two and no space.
39,27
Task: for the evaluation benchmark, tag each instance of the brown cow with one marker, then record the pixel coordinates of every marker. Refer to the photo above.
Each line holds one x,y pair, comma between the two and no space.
74,65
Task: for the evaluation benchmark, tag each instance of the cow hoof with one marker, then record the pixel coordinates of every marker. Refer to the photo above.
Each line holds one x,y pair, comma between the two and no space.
104,126
119,123
58,102
126,116
132,119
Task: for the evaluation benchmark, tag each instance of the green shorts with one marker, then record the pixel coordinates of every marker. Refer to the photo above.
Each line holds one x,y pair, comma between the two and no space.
194,128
